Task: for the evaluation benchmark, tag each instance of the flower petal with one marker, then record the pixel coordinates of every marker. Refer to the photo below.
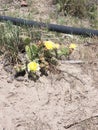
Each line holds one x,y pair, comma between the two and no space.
33,66
49,45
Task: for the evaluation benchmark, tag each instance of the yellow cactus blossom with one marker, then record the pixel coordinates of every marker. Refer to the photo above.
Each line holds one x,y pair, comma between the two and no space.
49,45
33,66
72,46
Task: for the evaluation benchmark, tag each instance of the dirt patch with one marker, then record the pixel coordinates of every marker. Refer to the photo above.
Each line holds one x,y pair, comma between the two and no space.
57,102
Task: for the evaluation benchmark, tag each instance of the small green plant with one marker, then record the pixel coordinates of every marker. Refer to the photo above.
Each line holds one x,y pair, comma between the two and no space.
27,55
42,56
13,39
10,40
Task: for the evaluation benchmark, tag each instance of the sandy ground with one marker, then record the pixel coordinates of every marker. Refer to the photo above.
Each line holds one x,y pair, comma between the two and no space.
64,101
57,102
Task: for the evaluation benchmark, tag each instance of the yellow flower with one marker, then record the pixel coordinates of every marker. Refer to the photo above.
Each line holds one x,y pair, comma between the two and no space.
72,46
33,66
49,45
56,46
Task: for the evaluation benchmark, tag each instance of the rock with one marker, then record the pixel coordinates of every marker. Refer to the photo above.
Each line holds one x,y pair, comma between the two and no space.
9,80
20,78
17,85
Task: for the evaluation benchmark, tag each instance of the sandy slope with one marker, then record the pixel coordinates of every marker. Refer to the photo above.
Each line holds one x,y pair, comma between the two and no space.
57,102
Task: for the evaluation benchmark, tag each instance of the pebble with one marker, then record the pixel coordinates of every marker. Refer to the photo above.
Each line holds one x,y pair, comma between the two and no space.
20,78
10,79
17,85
